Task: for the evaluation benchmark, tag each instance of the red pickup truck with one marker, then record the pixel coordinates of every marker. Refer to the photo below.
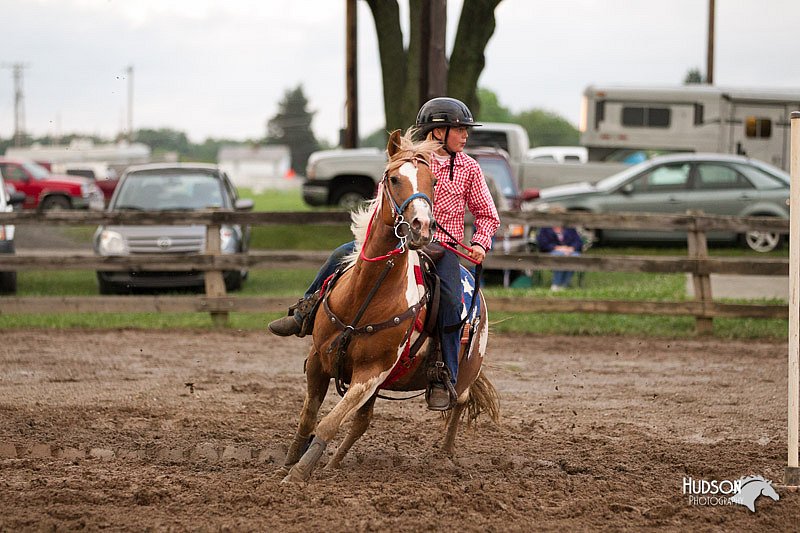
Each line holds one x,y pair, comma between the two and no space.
44,190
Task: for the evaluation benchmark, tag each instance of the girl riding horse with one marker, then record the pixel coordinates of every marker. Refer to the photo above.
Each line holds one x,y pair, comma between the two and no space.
459,185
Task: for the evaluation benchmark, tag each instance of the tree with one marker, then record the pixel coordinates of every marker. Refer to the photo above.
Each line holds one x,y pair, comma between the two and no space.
546,128
400,66
163,140
694,76
292,127
490,108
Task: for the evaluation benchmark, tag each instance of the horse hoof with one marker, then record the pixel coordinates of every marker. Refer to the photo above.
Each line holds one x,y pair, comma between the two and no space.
281,472
294,476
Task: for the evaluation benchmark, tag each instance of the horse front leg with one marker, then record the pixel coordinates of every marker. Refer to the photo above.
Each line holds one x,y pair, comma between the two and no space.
360,424
362,388
317,382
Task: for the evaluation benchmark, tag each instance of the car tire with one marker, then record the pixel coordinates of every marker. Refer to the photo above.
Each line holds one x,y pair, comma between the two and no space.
233,281
349,197
52,203
761,241
8,283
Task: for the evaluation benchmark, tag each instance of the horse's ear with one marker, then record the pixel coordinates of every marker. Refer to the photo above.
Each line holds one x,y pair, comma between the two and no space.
393,146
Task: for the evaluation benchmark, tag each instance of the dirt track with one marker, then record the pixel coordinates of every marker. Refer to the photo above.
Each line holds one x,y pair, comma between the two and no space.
100,429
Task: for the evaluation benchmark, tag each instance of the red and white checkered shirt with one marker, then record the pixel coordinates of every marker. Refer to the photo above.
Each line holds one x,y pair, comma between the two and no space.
468,189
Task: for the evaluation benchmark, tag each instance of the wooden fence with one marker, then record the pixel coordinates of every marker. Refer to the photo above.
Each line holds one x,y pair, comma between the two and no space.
216,302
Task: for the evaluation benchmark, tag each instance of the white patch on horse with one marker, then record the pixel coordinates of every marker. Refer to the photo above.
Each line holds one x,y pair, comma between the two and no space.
484,336
413,291
408,170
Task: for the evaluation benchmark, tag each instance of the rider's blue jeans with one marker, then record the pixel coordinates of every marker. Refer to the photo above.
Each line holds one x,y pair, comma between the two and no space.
450,304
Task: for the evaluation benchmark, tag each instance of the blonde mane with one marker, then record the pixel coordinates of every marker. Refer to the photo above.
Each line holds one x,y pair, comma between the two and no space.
360,217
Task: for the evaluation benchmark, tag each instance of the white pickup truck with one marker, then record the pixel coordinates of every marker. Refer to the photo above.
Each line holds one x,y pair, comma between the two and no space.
344,177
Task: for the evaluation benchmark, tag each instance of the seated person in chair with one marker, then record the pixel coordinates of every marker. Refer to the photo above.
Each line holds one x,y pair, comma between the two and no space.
558,240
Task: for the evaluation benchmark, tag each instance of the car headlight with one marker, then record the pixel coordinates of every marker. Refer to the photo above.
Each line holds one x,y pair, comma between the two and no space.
112,243
311,171
227,240
515,231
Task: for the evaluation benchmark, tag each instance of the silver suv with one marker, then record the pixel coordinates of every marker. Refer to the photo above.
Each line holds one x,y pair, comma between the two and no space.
171,187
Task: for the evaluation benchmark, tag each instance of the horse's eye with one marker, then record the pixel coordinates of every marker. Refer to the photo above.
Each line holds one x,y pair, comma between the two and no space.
393,179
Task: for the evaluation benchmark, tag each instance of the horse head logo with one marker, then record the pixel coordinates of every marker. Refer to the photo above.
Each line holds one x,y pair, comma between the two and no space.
751,488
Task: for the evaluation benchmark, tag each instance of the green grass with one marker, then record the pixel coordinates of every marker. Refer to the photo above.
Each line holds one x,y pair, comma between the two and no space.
597,285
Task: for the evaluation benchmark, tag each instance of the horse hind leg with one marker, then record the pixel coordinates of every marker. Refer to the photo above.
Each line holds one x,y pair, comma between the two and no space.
360,424
453,419
361,390
317,383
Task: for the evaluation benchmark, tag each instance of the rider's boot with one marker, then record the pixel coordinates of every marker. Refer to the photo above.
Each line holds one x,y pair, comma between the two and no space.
441,394
299,321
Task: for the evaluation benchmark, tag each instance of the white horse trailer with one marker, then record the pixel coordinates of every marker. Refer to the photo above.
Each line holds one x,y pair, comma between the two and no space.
618,123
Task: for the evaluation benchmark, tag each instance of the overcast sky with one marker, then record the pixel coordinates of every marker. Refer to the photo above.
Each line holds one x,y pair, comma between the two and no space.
219,68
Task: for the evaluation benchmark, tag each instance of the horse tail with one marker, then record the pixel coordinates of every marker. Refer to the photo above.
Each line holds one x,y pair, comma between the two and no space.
483,398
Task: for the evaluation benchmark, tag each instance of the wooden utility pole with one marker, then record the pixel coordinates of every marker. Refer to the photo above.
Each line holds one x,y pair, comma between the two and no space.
129,72
19,102
350,137
433,60
710,49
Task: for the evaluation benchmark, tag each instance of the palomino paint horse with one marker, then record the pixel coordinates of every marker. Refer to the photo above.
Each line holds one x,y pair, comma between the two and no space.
385,276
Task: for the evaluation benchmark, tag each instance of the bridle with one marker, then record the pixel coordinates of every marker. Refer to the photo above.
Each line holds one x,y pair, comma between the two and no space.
401,227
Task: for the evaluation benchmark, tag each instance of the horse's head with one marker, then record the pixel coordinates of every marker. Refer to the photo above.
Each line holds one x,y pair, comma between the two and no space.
408,189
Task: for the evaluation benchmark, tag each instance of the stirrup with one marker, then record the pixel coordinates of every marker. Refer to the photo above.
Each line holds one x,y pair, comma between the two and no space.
305,310
439,374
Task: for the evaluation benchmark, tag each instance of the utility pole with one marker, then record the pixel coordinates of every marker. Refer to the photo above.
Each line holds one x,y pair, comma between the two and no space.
19,102
130,103
350,137
710,50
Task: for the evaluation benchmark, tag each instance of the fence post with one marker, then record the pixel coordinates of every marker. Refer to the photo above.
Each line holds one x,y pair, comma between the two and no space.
215,284
792,475
698,249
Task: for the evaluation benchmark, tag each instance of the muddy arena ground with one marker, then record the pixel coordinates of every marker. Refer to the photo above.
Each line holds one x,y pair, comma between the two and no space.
185,430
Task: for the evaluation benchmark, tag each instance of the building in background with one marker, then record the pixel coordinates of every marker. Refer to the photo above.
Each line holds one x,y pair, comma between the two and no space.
259,167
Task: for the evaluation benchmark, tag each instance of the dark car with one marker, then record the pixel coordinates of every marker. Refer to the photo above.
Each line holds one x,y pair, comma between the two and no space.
715,184
172,187
8,199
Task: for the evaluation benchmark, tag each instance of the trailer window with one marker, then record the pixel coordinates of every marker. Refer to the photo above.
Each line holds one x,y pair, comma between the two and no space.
646,117
758,127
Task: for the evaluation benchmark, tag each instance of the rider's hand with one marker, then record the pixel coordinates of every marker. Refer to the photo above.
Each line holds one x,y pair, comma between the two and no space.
477,253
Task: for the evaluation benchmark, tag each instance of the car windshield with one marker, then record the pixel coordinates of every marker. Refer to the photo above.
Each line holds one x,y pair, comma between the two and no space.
36,170
169,191
615,180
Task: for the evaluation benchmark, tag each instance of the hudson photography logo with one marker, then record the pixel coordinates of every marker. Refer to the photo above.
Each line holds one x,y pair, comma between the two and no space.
744,491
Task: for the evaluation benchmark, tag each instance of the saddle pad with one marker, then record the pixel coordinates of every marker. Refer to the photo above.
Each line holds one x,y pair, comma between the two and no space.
468,286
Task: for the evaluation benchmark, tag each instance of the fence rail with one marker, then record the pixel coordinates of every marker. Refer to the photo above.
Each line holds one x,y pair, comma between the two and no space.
213,263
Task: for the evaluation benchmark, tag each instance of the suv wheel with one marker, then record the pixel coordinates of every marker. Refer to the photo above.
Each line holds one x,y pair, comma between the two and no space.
8,283
349,198
55,202
762,241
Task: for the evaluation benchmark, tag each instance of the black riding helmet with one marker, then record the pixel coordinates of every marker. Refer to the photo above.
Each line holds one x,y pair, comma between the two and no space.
444,112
